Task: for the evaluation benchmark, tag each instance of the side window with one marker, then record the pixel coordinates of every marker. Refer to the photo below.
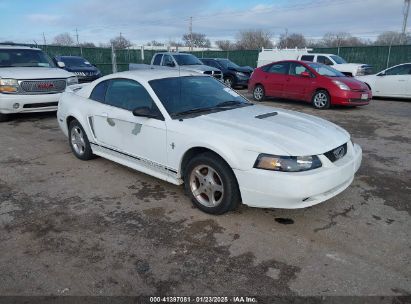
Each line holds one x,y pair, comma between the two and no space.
213,64
99,91
404,69
278,68
307,58
157,59
324,60
128,94
296,69
168,61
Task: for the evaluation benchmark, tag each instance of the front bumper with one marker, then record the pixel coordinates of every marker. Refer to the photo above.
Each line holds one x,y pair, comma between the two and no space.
350,98
28,103
292,190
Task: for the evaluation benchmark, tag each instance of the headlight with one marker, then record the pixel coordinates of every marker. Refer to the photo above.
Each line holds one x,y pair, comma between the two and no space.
287,163
8,85
240,74
341,85
72,80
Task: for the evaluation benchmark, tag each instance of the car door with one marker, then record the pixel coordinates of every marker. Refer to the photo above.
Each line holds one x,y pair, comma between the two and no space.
116,128
298,86
394,82
168,61
274,79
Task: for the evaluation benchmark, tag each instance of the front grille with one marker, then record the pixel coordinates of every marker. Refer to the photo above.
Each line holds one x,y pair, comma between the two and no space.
40,105
337,153
84,74
43,86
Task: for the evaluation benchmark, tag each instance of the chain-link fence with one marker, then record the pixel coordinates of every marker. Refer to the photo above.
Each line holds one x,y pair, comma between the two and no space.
380,57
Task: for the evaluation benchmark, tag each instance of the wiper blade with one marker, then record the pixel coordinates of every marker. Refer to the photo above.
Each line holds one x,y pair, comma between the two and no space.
229,103
198,110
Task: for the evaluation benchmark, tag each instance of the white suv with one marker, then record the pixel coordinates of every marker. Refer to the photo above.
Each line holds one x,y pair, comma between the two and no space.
29,81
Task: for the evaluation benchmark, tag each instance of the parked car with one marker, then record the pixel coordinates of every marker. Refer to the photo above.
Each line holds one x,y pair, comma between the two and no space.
392,82
185,127
85,71
312,82
350,69
180,61
233,74
29,81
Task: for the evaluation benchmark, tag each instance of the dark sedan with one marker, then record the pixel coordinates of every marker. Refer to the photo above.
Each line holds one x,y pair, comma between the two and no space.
234,75
85,71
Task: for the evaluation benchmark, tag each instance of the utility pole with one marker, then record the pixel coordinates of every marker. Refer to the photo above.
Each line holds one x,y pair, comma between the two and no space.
286,37
190,30
44,39
77,37
406,12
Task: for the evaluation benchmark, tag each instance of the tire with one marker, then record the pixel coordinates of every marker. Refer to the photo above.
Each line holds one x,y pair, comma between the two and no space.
321,100
79,143
259,93
229,81
4,117
211,184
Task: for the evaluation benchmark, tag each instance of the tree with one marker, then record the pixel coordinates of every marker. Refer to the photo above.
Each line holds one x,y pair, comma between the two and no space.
120,42
198,40
390,38
253,39
292,41
225,45
341,39
155,43
63,39
173,43
87,45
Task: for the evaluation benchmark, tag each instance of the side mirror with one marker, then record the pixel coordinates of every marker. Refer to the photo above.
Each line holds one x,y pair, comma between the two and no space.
147,112
305,74
61,64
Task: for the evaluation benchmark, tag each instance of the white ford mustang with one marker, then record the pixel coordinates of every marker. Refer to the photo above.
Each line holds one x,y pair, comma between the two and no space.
189,128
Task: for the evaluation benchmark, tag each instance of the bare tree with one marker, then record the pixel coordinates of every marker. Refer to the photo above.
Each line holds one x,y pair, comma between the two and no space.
87,45
63,39
198,40
120,42
173,43
155,43
391,38
341,39
254,39
292,41
225,45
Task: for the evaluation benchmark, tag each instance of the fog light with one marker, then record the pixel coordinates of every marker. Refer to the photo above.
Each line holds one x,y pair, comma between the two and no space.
16,105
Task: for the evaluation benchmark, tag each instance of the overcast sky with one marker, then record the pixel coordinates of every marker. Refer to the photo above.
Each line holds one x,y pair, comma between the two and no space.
145,20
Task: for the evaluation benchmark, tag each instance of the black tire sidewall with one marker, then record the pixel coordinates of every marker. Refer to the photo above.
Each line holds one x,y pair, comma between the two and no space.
4,117
327,106
262,98
231,197
88,153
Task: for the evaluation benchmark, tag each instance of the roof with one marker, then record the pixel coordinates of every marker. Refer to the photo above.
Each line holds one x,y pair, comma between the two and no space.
173,53
17,47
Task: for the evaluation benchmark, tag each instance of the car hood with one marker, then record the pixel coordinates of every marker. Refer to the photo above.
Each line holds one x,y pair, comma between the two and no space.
34,73
285,133
352,65
352,83
198,67
81,69
244,69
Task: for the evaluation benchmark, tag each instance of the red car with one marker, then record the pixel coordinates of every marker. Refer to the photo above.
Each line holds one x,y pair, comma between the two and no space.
309,81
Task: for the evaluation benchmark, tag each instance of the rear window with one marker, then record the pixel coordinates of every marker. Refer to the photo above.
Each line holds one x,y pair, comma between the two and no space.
307,58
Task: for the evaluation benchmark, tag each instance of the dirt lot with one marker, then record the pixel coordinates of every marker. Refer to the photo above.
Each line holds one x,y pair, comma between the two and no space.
97,228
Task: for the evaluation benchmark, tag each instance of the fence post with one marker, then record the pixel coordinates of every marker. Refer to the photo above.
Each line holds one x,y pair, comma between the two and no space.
388,57
113,59
142,54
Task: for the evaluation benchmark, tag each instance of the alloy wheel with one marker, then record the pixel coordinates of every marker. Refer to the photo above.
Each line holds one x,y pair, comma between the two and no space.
206,185
320,100
77,140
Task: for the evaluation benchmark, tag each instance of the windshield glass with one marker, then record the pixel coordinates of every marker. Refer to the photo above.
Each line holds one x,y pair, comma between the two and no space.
338,59
75,62
186,59
195,93
24,58
325,70
228,64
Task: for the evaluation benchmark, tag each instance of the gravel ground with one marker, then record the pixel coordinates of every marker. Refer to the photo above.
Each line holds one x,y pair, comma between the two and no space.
69,227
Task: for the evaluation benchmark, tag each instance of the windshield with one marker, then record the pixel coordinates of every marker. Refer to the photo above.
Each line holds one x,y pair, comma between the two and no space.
338,59
78,62
24,58
186,59
228,64
325,70
182,95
